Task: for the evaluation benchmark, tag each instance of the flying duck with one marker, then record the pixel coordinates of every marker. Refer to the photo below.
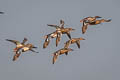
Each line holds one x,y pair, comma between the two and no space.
94,22
60,52
72,41
62,29
17,43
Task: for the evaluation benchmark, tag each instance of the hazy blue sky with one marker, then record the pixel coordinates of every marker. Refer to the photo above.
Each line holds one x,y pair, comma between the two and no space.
98,58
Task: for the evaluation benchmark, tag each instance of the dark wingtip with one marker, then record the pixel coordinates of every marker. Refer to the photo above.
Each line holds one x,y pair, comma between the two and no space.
109,20
14,59
7,39
1,12
34,47
56,45
73,29
83,32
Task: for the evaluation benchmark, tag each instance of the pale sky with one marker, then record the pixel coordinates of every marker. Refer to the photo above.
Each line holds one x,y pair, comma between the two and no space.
97,59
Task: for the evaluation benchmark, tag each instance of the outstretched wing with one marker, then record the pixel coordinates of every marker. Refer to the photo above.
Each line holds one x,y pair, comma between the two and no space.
67,44
13,41
78,43
84,27
68,34
54,58
53,25
58,39
46,43
16,56
33,51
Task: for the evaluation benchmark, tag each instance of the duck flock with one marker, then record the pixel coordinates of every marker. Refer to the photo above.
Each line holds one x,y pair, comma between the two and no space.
21,47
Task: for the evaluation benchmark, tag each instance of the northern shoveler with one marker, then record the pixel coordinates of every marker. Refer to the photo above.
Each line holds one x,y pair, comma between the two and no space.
62,29
72,41
92,22
60,52
18,44
25,48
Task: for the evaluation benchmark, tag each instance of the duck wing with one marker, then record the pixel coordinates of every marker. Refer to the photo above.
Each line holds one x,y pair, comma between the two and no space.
55,58
33,51
13,41
16,56
58,39
84,27
53,25
68,34
46,43
67,44
78,43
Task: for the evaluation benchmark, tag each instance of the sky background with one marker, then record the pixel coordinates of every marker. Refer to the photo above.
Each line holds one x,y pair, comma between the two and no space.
97,59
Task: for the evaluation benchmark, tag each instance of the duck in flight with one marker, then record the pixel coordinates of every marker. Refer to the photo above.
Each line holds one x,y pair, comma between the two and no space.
72,41
92,21
62,29
17,43
21,47
25,48
60,52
